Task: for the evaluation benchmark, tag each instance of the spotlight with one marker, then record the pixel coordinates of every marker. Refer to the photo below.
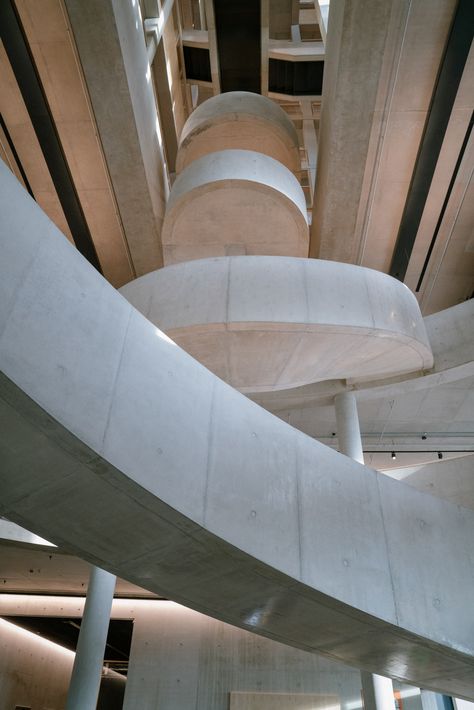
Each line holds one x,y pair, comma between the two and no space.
440,455
394,455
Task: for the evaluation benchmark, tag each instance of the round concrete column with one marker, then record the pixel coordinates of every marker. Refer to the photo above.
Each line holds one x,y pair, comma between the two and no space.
378,691
348,430
85,680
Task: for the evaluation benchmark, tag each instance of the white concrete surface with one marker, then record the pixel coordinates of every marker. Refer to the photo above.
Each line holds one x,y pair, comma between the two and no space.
14,533
156,470
378,692
235,202
242,120
182,660
451,335
35,671
270,323
452,479
348,427
84,686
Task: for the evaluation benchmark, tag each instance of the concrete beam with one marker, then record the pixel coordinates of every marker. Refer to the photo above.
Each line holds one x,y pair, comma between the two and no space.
112,51
355,47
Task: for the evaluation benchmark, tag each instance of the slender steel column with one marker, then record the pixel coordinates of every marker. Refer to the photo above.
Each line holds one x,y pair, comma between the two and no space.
378,691
85,680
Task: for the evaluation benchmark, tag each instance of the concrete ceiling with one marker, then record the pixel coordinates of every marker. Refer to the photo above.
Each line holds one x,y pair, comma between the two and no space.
33,570
445,412
380,76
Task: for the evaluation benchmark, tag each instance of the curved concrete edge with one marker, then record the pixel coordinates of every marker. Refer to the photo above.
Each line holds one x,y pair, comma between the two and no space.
236,107
11,532
157,471
109,517
235,166
263,323
451,334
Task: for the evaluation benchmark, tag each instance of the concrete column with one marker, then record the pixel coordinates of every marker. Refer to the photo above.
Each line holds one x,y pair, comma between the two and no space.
85,680
202,15
348,430
429,700
378,691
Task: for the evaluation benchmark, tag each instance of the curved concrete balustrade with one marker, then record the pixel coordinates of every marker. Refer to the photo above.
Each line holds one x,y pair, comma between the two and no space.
243,120
451,335
235,202
121,448
267,323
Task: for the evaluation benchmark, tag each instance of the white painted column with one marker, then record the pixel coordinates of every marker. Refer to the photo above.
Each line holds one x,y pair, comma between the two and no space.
378,691
87,670
348,429
428,700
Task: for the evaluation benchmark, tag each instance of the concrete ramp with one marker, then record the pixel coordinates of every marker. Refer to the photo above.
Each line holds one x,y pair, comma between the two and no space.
120,447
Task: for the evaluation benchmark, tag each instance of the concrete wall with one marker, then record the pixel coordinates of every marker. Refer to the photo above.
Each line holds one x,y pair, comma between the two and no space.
179,660
183,659
33,671
159,472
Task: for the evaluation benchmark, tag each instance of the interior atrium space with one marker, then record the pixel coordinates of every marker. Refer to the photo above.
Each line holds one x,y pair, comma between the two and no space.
236,355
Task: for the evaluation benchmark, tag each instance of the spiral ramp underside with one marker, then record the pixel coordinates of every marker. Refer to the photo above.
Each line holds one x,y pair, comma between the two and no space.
122,448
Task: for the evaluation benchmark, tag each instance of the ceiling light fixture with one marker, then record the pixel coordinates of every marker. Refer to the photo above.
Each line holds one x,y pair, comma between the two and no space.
394,455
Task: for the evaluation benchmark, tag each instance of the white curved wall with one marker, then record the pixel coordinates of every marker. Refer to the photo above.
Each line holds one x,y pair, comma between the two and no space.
231,202
242,120
267,323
